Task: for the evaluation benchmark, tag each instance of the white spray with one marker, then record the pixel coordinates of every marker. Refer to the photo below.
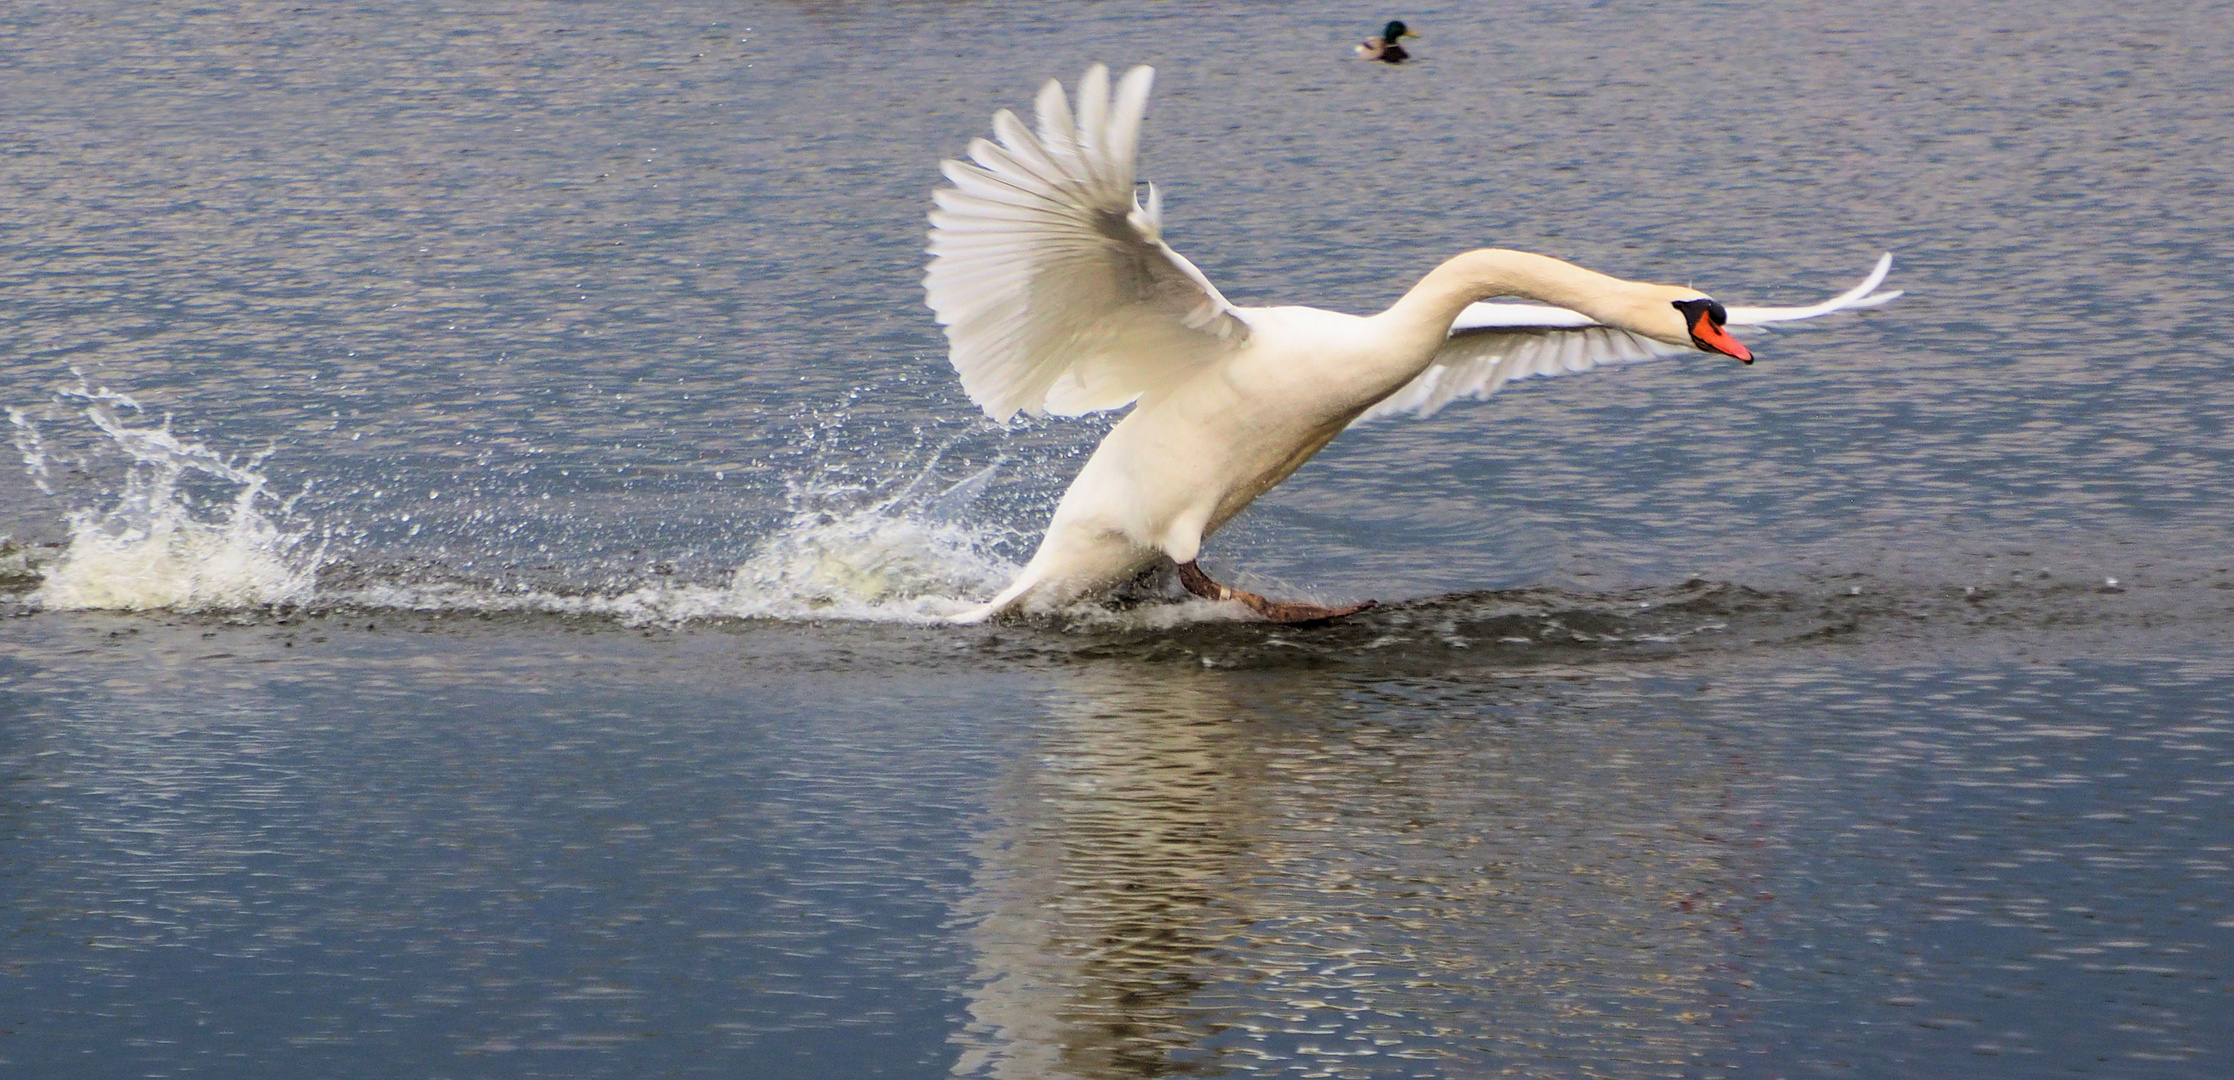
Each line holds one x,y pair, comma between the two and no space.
155,548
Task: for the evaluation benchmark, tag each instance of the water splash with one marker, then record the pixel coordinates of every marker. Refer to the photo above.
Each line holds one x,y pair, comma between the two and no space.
901,557
161,546
33,448
845,553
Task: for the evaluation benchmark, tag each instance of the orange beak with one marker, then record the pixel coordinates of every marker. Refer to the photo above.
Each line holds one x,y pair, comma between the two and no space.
1708,334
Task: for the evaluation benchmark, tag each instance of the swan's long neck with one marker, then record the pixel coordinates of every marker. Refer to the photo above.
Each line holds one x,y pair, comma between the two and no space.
1424,315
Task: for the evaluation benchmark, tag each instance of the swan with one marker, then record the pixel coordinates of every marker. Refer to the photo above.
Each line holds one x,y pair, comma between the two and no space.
1385,48
1058,296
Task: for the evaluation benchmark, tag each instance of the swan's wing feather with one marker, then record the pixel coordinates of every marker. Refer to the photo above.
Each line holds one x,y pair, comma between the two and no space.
1859,296
1476,362
1493,344
1051,277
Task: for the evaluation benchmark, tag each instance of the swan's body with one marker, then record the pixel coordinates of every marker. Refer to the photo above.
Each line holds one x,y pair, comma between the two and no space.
1060,297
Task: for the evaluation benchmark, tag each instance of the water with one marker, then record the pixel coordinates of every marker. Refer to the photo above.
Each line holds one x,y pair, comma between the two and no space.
489,482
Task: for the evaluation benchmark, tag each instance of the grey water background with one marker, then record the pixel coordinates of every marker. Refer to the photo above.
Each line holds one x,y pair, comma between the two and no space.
1765,721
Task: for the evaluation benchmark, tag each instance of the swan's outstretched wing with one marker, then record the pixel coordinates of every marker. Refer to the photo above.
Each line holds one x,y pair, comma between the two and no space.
1476,361
1056,290
1492,344
1860,296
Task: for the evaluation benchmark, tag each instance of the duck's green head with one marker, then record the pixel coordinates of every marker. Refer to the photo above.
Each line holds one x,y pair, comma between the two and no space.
1396,29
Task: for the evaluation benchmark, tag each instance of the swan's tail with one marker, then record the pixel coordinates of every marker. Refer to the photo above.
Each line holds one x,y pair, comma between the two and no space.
1008,598
1072,562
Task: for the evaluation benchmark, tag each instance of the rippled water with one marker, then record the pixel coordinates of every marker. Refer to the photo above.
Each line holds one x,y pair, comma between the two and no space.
486,473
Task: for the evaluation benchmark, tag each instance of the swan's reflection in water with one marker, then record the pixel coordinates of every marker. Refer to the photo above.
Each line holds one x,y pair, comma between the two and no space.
1105,895
1209,873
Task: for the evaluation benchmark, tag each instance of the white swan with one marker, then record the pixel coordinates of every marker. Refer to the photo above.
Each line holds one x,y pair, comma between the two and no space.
1059,296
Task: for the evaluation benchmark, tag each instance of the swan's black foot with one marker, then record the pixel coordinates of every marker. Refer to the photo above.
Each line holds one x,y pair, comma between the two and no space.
1279,611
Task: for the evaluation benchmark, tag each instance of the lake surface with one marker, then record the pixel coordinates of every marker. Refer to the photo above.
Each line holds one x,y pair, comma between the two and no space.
488,480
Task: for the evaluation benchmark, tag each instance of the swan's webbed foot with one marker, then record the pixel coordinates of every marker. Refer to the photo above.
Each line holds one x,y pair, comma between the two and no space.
1279,611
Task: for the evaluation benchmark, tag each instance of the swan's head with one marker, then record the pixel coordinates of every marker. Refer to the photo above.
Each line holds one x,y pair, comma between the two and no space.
1670,313
1704,321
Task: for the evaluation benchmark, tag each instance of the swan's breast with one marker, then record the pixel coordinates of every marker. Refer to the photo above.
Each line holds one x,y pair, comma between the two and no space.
1207,447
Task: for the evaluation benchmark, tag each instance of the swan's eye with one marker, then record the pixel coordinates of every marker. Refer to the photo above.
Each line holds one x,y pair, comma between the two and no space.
1703,307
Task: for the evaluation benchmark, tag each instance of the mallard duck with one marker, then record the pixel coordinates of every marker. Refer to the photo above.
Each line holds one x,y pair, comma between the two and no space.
1059,296
1385,48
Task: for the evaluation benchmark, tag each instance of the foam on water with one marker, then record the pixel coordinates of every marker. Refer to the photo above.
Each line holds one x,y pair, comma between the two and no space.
159,546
